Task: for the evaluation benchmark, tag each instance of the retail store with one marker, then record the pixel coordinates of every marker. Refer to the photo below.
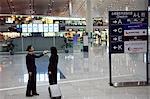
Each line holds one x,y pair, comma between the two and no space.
49,30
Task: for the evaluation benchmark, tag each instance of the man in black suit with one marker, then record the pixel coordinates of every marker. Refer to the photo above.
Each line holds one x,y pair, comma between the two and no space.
31,67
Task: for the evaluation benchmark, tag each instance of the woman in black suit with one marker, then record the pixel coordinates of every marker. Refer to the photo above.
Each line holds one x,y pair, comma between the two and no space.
52,68
31,67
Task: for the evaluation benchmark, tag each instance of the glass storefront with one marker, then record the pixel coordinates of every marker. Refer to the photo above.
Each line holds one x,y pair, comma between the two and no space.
43,32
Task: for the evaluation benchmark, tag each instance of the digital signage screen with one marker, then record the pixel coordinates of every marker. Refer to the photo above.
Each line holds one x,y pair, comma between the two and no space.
56,27
40,26
24,28
51,28
30,27
45,27
35,27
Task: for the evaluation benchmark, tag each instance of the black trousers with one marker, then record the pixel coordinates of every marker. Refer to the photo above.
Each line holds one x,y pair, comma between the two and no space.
31,86
52,78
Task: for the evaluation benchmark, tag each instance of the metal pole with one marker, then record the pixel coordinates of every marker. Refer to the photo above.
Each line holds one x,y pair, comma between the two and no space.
54,44
110,71
22,44
110,67
70,8
147,61
147,68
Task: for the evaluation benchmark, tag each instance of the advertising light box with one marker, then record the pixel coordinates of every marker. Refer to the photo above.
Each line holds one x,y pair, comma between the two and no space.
51,28
40,26
135,46
30,28
24,28
56,27
137,32
35,27
45,27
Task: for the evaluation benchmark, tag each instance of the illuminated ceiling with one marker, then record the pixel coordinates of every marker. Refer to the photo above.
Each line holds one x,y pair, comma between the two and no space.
38,7
100,8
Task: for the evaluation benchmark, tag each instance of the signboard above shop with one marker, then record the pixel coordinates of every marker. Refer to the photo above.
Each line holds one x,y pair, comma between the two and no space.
40,28
24,28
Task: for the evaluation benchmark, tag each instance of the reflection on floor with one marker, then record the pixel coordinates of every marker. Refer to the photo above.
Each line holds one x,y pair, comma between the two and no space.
85,77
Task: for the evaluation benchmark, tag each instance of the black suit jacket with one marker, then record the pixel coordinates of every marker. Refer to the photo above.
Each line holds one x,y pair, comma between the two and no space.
53,61
30,62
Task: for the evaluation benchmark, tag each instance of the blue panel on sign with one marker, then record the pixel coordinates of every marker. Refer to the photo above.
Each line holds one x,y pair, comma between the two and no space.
127,26
135,26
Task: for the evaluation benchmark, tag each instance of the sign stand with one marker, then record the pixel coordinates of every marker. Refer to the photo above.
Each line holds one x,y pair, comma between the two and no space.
147,61
110,70
128,33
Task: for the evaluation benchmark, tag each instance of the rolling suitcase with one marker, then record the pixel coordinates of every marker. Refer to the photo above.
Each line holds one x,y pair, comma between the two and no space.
54,91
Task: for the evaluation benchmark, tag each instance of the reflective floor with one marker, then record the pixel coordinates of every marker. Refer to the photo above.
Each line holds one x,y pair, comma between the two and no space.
80,76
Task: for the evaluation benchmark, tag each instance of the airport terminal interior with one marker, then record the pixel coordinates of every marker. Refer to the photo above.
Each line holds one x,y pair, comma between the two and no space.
103,47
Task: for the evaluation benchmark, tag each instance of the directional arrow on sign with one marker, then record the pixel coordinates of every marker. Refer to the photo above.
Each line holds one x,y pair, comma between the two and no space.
115,47
115,21
115,30
135,20
128,20
115,39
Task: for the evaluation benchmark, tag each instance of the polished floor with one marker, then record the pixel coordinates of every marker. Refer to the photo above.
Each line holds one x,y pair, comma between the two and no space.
80,76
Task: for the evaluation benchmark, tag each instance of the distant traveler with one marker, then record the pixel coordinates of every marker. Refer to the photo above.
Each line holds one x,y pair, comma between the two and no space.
11,47
52,68
31,67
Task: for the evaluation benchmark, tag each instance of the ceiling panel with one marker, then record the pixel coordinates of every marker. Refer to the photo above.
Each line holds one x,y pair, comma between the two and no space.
100,8
38,7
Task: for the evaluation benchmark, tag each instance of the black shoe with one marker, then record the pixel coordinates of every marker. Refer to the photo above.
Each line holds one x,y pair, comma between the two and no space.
36,94
29,95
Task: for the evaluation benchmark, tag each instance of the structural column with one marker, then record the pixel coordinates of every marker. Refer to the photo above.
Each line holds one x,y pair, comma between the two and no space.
89,20
70,8
89,25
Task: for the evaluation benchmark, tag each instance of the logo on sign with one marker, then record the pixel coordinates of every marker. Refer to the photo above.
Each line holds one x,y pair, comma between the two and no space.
136,32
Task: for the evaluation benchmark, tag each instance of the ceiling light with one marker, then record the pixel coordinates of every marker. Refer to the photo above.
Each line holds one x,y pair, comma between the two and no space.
32,16
106,20
127,8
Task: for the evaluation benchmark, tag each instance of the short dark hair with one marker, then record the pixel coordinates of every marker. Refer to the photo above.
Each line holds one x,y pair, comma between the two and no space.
53,50
29,47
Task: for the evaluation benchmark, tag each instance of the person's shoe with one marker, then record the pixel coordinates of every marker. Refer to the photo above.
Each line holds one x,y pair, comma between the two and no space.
36,94
29,95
